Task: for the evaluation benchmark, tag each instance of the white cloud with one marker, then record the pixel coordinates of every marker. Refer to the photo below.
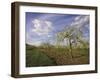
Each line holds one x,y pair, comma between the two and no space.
48,23
27,35
31,41
80,21
49,36
41,27
36,43
77,18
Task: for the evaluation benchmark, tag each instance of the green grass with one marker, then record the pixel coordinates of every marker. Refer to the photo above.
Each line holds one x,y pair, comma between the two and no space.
38,56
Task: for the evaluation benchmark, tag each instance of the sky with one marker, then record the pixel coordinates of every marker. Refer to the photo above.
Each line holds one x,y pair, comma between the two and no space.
42,27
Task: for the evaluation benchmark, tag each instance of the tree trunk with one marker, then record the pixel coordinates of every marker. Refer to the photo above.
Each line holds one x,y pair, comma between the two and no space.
70,49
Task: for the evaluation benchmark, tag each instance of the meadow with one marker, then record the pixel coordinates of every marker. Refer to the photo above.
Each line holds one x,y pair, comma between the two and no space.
53,56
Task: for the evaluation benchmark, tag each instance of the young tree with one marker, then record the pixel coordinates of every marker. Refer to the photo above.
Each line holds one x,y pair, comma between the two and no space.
73,35
66,34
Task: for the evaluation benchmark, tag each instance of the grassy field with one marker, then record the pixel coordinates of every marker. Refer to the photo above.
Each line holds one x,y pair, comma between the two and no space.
39,56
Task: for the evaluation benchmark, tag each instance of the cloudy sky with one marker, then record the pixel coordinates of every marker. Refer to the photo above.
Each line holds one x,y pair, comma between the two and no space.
42,27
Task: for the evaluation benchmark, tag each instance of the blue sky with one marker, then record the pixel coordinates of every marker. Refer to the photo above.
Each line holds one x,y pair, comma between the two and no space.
42,27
